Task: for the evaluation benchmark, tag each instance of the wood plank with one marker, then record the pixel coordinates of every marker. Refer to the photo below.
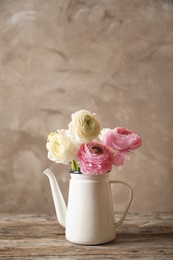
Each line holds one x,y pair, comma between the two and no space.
141,236
124,245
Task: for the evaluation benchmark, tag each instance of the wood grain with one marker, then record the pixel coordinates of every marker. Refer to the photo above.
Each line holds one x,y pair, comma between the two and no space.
141,236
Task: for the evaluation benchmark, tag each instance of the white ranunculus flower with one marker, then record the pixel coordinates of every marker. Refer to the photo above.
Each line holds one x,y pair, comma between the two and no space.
85,126
61,147
103,132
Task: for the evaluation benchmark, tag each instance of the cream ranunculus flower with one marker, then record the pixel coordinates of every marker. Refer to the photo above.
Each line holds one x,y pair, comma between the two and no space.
85,126
102,133
61,147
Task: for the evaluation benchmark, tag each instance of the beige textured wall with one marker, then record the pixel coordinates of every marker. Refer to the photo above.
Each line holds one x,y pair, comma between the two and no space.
114,58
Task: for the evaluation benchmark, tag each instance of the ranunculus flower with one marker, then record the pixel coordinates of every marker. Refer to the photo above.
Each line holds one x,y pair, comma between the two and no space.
121,139
103,132
119,157
61,147
94,158
85,126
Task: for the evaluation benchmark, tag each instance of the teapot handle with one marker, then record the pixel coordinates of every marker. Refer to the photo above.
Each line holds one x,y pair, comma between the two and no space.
129,203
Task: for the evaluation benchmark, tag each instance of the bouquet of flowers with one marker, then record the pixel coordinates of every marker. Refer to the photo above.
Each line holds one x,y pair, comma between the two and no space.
88,148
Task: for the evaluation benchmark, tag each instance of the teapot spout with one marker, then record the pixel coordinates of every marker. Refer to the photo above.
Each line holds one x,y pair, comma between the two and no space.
60,205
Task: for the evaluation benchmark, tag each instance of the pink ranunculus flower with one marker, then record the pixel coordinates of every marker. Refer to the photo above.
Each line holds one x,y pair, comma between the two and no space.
122,139
94,158
119,157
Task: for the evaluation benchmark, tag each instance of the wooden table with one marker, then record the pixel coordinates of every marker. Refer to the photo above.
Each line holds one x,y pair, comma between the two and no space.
141,236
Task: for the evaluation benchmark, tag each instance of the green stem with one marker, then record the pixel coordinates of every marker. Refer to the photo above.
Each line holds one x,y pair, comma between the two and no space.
74,166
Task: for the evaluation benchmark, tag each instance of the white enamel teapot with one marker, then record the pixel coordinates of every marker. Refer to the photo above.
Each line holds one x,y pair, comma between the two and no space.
89,217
